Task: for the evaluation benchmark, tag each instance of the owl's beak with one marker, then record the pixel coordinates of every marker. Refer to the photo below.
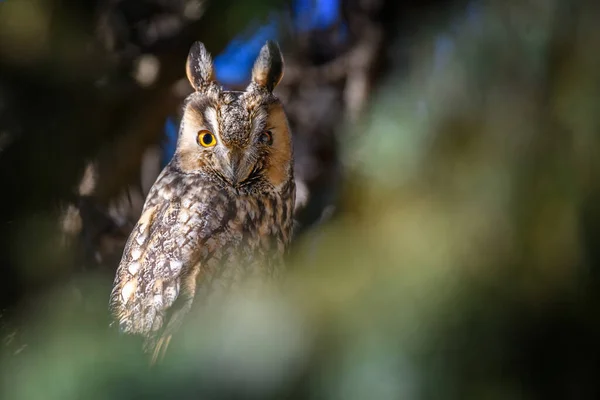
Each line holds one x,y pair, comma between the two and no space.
237,168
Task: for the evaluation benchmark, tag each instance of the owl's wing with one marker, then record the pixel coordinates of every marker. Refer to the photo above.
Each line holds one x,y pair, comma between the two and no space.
159,266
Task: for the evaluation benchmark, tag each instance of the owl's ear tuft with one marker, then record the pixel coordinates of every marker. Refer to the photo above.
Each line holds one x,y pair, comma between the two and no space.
268,67
199,67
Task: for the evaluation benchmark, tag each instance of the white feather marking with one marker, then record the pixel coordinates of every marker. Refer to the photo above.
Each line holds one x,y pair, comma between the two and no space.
158,300
175,266
211,116
184,216
186,203
134,268
135,254
128,290
141,239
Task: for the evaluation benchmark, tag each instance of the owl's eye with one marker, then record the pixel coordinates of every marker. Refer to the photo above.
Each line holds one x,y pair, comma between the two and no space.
206,139
266,138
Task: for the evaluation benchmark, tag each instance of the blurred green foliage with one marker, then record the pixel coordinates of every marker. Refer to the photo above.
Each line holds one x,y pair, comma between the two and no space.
461,263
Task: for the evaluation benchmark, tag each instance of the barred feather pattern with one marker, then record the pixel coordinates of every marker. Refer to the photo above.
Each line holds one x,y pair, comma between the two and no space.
194,228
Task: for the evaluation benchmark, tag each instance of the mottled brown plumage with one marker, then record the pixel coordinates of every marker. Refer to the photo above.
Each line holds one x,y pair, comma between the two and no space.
221,210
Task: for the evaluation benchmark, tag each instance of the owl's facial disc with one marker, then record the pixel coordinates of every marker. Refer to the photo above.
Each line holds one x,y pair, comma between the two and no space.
241,137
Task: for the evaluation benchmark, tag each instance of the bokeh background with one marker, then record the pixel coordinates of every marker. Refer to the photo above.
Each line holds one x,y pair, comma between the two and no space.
448,198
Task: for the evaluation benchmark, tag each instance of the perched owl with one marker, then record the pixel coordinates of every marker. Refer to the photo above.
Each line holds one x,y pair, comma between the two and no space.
220,212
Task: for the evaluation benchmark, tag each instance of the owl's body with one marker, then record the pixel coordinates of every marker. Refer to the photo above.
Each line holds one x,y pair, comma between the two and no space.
220,212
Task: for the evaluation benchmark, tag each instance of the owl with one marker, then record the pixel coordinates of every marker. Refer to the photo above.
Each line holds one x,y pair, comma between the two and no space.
220,212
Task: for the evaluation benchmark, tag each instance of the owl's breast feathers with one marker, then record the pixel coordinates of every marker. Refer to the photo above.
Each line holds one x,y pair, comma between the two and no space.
194,233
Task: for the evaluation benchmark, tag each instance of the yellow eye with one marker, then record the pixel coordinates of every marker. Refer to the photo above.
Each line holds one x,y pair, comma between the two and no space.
206,139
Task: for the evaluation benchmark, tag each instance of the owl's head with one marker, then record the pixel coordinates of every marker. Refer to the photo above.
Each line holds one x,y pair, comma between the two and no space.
239,137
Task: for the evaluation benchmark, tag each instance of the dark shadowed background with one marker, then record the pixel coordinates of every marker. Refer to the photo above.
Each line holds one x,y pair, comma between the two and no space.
448,198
